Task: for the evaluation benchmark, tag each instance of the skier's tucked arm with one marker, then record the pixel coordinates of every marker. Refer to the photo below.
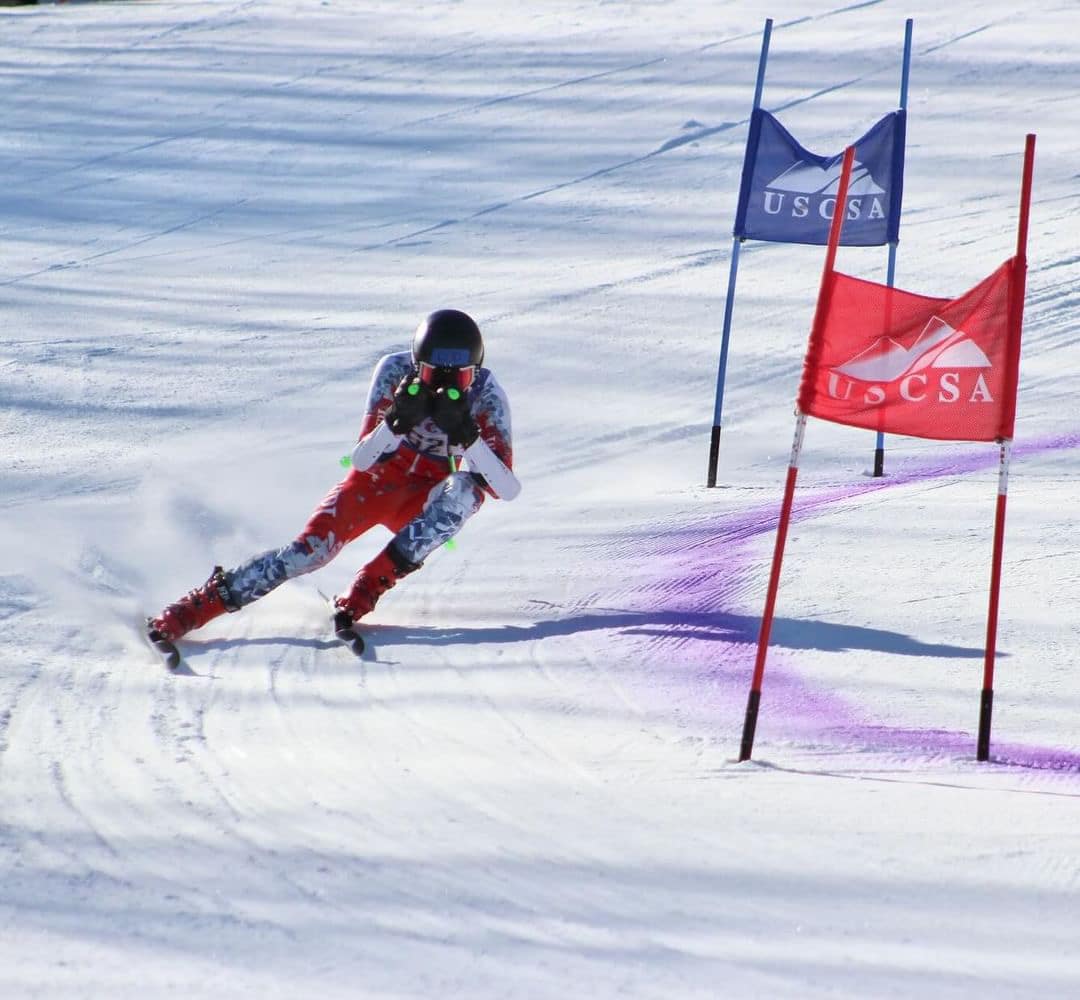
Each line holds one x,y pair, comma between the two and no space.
498,476
481,425
373,445
391,413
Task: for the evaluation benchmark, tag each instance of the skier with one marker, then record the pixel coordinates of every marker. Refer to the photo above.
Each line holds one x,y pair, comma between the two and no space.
426,410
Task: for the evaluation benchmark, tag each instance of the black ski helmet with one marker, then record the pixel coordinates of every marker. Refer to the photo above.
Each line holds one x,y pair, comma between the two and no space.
448,338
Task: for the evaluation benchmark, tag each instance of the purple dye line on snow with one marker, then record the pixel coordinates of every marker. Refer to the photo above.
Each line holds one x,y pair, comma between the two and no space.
708,567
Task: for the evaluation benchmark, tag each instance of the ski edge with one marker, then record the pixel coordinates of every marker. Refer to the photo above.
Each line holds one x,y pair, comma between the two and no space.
164,648
352,640
348,637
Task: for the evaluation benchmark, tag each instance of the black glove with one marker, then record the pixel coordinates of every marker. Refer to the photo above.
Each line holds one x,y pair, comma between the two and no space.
412,400
450,410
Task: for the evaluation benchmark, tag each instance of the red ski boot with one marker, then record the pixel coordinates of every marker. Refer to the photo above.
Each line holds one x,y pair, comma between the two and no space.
374,580
193,610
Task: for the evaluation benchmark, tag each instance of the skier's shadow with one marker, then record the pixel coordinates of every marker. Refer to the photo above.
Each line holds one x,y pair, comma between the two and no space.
678,626
274,640
673,626
213,645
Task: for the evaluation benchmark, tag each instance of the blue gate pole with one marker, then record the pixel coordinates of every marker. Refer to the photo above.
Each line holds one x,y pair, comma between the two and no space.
729,304
879,451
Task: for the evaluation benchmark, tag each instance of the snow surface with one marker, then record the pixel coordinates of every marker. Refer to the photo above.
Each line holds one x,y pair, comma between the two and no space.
217,215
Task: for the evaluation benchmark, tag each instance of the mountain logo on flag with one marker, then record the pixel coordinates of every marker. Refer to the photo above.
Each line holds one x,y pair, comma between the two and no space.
806,191
809,178
938,346
889,360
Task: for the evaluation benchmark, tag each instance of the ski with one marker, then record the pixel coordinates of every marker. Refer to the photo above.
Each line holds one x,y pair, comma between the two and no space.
352,639
163,647
345,630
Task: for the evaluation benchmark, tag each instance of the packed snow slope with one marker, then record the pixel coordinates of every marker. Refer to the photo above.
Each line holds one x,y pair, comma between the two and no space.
218,215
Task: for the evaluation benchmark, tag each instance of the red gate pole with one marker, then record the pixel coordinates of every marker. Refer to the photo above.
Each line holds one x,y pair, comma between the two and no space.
1016,321
753,701
986,701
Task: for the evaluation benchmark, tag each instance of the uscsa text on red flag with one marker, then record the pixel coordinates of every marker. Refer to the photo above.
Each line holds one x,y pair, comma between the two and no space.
901,363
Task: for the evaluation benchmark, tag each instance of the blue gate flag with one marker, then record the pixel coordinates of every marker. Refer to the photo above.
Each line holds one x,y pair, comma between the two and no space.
788,194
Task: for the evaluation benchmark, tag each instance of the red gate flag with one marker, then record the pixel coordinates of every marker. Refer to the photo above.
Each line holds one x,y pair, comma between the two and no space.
901,363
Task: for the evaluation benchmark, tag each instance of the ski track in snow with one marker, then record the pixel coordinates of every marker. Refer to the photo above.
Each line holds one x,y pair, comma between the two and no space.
478,213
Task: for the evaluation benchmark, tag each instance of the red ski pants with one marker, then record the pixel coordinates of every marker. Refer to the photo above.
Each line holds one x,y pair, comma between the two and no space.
391,493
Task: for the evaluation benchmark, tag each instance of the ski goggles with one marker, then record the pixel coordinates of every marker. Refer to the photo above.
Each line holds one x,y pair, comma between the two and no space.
447,375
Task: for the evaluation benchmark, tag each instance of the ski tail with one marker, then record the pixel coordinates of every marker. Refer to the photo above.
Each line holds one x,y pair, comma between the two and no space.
165,648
